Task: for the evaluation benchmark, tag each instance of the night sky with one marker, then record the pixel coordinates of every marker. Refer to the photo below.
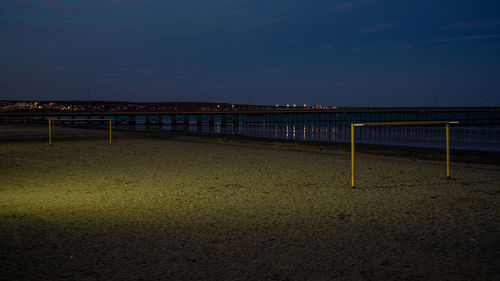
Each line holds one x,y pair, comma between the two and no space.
339,53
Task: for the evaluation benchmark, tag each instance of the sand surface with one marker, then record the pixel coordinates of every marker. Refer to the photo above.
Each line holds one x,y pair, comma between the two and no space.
160,209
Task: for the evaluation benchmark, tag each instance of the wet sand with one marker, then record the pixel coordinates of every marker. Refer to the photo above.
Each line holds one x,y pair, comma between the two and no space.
193,209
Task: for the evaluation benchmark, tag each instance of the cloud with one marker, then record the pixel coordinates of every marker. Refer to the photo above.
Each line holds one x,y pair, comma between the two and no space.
348,6
227,3
491,47
466,38
128,26
239,11
263,71
472,25
226,86
379,27
126,72
43,11
246,37
50,3
362,48
143,71
24,3
163,84
124,4
344,7
326,46
277,69
43,16
405,47
183,77
459,26
108,80
75,82
72,9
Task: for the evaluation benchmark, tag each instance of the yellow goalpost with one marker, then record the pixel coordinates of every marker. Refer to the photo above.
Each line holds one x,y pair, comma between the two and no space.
51,120
415,123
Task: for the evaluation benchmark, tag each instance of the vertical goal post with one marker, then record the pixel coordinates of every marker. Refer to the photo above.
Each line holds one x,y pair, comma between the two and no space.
52,120
413,123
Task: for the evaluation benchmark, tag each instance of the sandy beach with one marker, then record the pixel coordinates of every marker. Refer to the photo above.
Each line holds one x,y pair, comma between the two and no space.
193,209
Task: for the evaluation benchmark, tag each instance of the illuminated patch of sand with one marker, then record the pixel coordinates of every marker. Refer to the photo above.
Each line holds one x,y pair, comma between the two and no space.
187,210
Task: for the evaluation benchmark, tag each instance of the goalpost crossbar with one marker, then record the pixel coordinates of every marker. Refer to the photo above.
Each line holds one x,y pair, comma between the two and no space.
411,123
51,120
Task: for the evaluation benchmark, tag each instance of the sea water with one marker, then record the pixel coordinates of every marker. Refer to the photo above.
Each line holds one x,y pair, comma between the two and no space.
484,138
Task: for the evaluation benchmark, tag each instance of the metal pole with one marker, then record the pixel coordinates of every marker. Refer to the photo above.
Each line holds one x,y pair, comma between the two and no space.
109,131
448,150
352,155
50,133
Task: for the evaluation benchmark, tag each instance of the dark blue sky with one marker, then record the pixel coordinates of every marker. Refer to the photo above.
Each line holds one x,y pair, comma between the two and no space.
343,53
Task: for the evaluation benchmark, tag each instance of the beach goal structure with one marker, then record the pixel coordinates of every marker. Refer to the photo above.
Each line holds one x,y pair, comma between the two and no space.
53,120
414,123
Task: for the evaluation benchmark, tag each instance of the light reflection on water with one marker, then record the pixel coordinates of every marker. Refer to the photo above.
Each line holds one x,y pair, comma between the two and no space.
475,138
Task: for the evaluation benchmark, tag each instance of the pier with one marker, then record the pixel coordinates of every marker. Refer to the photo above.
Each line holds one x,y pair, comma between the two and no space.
486,116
